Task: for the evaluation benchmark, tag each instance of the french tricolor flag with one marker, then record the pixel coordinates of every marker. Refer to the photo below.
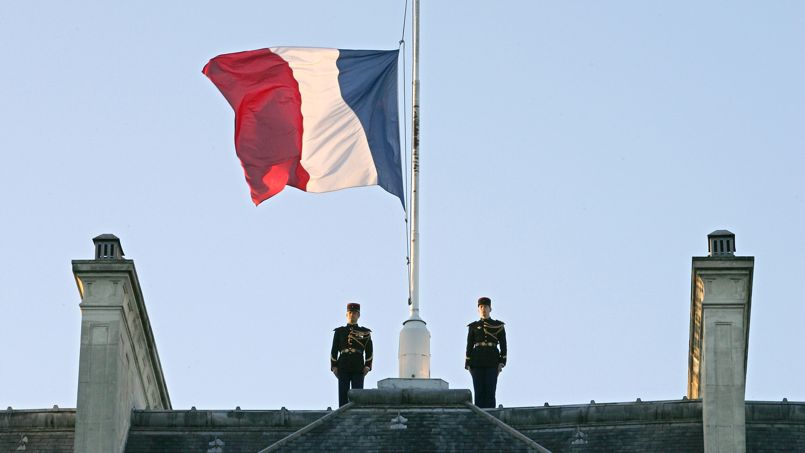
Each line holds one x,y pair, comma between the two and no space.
315,119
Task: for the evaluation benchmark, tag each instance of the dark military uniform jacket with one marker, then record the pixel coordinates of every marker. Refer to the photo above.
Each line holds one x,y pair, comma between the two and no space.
350,344
484,338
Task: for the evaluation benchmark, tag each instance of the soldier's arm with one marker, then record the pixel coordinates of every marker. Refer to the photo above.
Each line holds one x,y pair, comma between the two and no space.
368,350
469,347
334,351
502,342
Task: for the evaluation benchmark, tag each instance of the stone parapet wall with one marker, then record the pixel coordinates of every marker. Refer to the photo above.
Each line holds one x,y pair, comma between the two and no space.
775,426
606,427
232,431
652,426
624,427
775,412
11,420
35,431
597,413
222,419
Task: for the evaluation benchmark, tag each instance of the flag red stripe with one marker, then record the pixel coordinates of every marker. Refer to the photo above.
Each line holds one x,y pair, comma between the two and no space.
260,87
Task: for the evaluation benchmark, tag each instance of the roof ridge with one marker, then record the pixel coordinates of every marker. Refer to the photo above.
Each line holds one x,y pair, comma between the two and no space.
305,429
501,424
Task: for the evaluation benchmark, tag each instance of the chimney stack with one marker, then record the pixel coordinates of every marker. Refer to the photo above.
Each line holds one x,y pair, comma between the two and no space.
119,368
720,305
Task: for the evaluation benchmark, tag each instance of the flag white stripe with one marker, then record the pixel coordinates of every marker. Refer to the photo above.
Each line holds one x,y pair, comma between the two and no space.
335,151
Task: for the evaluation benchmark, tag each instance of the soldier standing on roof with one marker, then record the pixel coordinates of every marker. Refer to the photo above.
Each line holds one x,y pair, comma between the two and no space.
483,359
350,344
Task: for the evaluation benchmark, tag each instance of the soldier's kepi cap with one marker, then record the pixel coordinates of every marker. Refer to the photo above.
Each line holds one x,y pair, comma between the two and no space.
352,306
485,301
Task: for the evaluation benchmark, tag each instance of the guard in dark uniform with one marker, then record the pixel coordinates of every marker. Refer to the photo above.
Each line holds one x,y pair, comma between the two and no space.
350,344
483,358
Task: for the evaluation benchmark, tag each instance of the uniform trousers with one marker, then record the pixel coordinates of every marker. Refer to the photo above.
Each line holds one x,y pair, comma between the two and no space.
345,381
484,382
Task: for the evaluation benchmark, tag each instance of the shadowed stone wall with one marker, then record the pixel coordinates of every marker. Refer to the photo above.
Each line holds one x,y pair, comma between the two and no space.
623,427
37,431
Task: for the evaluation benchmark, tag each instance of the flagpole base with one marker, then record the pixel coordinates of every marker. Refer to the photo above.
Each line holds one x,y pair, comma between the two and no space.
414,353
402,383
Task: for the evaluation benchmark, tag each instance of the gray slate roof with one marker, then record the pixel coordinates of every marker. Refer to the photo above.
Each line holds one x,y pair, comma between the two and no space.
657,426
408,420
37,431
774,426
443,424
213,431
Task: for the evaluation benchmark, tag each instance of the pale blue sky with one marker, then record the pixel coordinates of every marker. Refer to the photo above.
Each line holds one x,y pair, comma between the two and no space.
574,157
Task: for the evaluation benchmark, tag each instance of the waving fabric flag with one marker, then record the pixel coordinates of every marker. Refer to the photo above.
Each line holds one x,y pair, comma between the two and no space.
315,119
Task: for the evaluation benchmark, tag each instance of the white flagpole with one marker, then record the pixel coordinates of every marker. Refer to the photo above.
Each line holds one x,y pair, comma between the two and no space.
414,277
414,351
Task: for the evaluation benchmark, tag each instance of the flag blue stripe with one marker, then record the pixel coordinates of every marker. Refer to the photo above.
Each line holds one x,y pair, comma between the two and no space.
368,82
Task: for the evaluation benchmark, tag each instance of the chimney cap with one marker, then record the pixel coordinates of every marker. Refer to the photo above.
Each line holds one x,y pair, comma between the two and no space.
105,237
721,243
107,246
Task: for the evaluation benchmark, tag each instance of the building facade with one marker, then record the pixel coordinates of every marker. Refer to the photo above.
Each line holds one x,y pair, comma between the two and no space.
123,404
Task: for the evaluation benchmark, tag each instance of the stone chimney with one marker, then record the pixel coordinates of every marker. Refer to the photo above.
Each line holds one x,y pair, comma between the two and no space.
720,306
119,368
